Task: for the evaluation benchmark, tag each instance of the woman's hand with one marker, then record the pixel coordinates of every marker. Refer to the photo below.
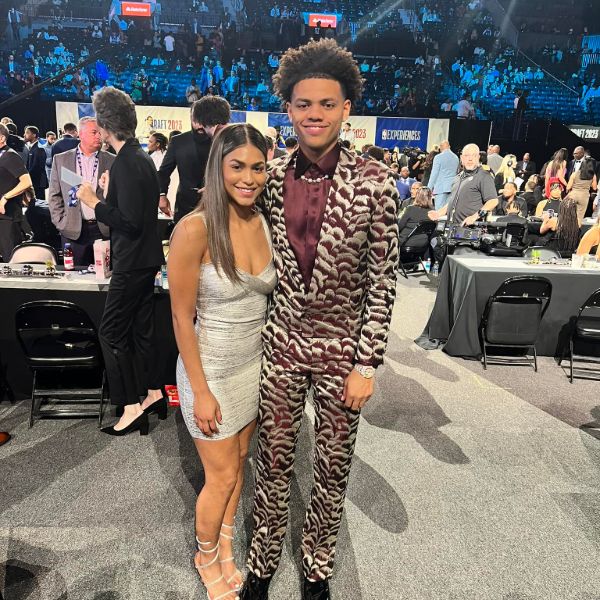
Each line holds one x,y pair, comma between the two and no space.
207,413
86,194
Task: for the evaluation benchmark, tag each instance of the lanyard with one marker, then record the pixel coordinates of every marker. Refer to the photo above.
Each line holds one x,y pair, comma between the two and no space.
80,165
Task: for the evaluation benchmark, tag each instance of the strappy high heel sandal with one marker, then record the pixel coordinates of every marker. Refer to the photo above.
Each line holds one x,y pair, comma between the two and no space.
200,568
229,536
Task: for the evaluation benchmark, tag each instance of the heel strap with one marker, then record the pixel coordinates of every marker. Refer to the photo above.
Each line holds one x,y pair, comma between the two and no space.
226,536
227,526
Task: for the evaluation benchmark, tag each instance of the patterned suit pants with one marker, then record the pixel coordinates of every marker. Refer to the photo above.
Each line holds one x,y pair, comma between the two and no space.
285,382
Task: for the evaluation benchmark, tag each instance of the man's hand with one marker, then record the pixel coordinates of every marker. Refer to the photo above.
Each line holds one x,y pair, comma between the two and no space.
104,181
164,206
470,220
357,390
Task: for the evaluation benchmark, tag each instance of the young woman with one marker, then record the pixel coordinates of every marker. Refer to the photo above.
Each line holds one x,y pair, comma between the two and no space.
506,172
580,184
417,212
556,171
220,274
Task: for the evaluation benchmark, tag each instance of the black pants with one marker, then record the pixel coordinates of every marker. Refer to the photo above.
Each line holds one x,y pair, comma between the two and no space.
127,336
83,246
10,236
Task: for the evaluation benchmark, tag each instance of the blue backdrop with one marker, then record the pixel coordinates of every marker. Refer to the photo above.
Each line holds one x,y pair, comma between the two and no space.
391,132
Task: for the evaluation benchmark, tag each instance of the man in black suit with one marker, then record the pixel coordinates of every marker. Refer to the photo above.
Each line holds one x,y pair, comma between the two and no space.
575,164
526,167
188,152
36,161
67,142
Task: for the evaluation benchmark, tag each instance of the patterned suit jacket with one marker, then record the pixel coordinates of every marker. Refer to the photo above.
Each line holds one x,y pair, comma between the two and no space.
353,285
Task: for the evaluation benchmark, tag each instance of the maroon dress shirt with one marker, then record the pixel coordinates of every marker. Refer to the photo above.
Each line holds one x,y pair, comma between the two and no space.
304,206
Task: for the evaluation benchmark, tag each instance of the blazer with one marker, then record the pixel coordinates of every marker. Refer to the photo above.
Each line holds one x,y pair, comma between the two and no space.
349,301
190,158
443,172
67,219
36,165
131,210
411,217
525,174
67,142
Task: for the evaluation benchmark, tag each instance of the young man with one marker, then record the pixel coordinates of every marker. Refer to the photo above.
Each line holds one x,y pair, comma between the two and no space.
335,246
188,152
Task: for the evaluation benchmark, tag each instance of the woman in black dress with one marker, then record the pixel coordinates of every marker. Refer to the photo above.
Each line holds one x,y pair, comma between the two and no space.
415,214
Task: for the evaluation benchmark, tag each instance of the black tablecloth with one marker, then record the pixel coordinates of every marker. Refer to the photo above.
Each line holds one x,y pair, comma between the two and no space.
11,356
466,283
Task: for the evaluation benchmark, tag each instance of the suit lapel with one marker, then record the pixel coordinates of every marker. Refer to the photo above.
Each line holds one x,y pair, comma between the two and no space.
339,213
278,224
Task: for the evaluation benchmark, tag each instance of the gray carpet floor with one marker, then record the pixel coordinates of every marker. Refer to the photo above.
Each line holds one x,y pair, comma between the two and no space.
466,485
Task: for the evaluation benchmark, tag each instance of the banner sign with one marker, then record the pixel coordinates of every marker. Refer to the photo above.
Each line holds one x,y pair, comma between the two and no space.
397,132
135,9
387,132
586,132
281,120
326,19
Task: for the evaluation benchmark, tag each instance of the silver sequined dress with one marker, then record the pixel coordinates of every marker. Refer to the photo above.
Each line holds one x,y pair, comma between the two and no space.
228,328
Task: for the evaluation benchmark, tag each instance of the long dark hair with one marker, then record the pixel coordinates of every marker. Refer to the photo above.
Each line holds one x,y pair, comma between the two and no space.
567,233
560,156
215,199
586,171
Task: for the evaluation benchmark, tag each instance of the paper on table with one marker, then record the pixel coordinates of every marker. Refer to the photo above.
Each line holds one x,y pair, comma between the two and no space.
519,182
70,178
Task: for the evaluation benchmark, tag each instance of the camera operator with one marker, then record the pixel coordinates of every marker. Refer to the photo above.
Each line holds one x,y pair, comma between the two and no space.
473,190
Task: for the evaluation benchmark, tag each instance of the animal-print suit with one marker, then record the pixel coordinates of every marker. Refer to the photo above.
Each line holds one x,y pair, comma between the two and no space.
313,337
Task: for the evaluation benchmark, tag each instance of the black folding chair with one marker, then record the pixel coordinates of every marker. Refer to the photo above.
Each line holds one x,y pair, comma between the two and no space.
412,250
60,342
512,318
545,253
586,332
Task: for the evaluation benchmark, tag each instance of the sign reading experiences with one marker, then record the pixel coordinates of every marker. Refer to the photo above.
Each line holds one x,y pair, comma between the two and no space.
392,132
281,120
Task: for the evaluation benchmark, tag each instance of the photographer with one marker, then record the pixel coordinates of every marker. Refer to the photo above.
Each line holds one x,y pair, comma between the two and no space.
472,191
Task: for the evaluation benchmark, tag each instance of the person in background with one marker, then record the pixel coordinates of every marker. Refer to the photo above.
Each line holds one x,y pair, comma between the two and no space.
291,145
509,202
532,194
68,141
414,214
278,151
494,159
404,182
526,167
131,211
157,147
188,152
76,222
36,163
581,182
14,181
444,168
376,153
556,171
506,172
414,189
50,141
590,239
561,231
428,165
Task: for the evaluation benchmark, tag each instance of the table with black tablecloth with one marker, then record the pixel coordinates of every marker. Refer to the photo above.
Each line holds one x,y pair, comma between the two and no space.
466,283
89,294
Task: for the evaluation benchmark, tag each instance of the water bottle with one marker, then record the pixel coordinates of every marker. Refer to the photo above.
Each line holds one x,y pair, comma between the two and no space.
68,258
436,270
427,265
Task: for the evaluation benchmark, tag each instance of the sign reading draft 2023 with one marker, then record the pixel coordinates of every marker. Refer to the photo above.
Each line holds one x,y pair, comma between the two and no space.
392,132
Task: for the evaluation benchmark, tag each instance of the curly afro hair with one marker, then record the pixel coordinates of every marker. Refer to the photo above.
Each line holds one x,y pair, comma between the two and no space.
322,59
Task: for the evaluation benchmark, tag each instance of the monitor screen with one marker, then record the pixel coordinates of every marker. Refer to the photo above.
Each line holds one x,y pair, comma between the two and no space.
135,9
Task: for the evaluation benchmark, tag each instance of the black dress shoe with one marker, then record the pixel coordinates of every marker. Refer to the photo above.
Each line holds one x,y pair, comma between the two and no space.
315,590
139,424
255,588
